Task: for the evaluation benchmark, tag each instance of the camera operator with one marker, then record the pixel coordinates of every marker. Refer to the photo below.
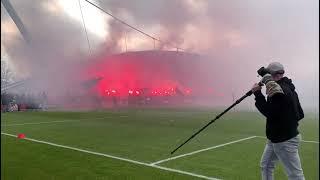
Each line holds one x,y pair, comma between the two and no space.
282,110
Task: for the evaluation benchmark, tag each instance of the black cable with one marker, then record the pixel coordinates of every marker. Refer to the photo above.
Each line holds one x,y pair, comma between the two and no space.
123,22
85,29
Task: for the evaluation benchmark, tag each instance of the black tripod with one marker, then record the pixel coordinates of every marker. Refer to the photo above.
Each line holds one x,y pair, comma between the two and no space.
249,93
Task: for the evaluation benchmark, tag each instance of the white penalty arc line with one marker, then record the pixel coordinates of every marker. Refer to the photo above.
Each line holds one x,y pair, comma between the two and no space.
316,142
201,150
115,157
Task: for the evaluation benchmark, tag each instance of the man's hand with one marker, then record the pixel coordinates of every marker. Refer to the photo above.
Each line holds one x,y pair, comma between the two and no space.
256,87
266,78
271,86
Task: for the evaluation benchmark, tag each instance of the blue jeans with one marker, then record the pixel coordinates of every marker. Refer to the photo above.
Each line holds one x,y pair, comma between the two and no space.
287,153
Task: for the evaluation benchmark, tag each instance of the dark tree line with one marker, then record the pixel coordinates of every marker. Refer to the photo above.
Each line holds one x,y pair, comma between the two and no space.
23,101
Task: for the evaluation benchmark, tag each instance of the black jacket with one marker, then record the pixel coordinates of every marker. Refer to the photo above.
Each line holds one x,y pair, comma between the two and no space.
283,111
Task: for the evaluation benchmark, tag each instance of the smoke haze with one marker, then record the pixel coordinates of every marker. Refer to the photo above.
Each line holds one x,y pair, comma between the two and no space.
238,37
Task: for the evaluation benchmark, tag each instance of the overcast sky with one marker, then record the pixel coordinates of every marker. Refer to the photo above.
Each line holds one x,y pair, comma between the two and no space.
243,34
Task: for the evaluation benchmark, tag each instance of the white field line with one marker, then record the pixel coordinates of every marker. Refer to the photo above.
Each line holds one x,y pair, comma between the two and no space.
301,140
201,150
48,122
115,157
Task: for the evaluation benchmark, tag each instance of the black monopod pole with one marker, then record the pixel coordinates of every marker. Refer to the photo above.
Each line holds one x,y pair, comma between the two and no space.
249,93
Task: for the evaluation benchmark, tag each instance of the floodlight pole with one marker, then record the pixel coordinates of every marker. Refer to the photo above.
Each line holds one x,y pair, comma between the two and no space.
249,93
16,19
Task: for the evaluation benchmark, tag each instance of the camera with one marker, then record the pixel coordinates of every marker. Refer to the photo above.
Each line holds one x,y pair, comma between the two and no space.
263,71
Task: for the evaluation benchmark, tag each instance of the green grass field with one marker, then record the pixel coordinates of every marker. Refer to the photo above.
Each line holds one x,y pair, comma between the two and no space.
123,144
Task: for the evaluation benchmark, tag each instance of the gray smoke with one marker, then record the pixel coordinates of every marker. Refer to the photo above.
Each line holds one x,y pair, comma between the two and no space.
57,49
242,36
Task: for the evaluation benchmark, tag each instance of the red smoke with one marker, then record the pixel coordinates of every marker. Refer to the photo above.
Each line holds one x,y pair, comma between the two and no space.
124,75
152,73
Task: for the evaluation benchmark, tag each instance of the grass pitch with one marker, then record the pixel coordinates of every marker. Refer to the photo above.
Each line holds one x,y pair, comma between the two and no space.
128,144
